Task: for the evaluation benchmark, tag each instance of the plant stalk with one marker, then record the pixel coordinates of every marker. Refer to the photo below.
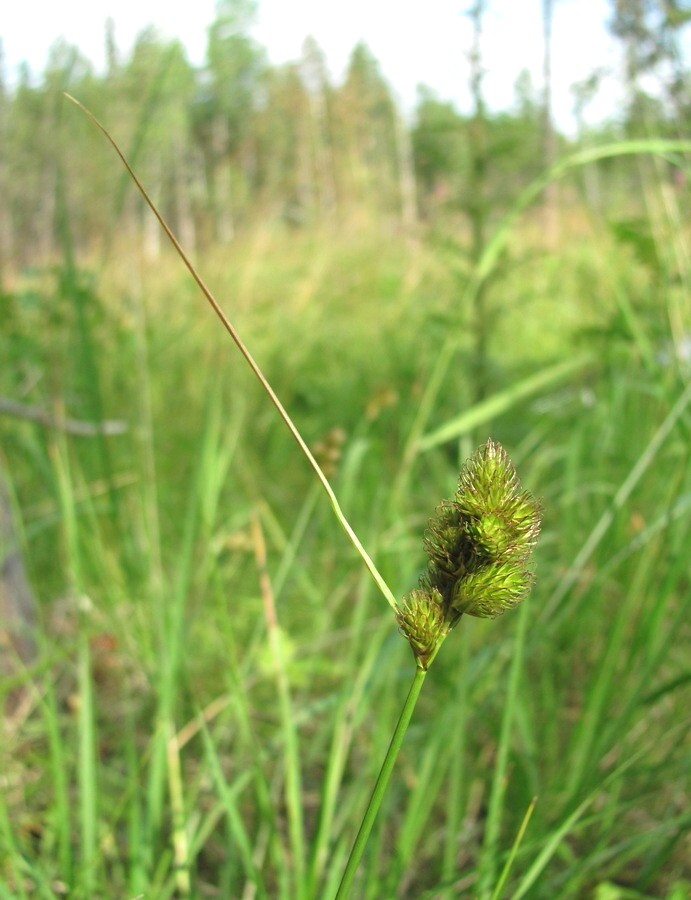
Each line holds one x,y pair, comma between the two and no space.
380,786
252,363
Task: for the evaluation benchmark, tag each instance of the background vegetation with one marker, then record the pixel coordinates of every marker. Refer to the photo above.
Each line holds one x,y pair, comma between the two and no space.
211,679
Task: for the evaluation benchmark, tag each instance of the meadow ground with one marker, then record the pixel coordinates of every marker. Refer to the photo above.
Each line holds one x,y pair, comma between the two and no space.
186,728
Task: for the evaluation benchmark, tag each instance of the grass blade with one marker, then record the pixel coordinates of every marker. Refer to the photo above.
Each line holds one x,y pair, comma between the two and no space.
501,402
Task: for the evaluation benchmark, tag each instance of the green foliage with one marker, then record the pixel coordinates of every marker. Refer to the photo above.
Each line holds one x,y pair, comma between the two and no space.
442,141
175,734
438,140
217,679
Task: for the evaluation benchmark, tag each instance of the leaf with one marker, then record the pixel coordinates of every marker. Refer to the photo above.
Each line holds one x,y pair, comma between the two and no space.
501,402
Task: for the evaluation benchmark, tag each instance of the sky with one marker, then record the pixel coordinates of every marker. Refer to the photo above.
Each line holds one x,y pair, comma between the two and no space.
414,42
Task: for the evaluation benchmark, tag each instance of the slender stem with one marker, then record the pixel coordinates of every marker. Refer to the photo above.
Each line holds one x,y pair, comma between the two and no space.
488,859
380,786
293,781
252,363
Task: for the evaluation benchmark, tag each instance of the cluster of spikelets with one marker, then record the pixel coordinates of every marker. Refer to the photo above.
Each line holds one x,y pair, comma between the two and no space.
478,544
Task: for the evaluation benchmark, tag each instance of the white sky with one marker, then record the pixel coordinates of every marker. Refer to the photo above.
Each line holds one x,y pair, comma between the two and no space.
414,42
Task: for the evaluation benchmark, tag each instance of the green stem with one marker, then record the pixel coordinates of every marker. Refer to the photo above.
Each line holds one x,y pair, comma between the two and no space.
380,786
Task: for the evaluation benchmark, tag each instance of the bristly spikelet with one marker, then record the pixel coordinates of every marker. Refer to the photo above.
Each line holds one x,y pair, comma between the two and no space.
421,620
478,544
488,480
492,589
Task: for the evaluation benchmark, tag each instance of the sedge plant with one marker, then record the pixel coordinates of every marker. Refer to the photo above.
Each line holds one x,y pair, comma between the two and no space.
478,545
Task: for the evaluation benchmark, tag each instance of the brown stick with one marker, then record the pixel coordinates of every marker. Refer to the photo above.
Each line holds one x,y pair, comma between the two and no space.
71,426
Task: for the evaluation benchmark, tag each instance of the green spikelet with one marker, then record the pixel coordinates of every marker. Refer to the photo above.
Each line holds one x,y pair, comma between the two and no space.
421,620
478,544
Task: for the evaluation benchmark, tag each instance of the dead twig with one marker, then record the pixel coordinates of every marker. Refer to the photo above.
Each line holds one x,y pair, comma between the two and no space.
70,426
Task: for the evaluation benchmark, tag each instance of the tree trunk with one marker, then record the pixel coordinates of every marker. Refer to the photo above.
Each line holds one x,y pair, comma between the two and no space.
151,229
17,602
477,205
406,175
549,147
187,232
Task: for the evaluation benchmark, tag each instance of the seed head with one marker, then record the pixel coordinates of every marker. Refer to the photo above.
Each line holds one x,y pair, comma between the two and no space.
421,619
478,544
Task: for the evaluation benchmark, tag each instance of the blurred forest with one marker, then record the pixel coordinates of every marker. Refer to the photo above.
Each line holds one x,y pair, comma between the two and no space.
240,141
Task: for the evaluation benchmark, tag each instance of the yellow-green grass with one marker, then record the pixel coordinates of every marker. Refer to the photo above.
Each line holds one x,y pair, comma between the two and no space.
174,739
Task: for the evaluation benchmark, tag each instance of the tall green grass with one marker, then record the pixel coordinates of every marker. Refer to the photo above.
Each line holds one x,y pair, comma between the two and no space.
219,677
